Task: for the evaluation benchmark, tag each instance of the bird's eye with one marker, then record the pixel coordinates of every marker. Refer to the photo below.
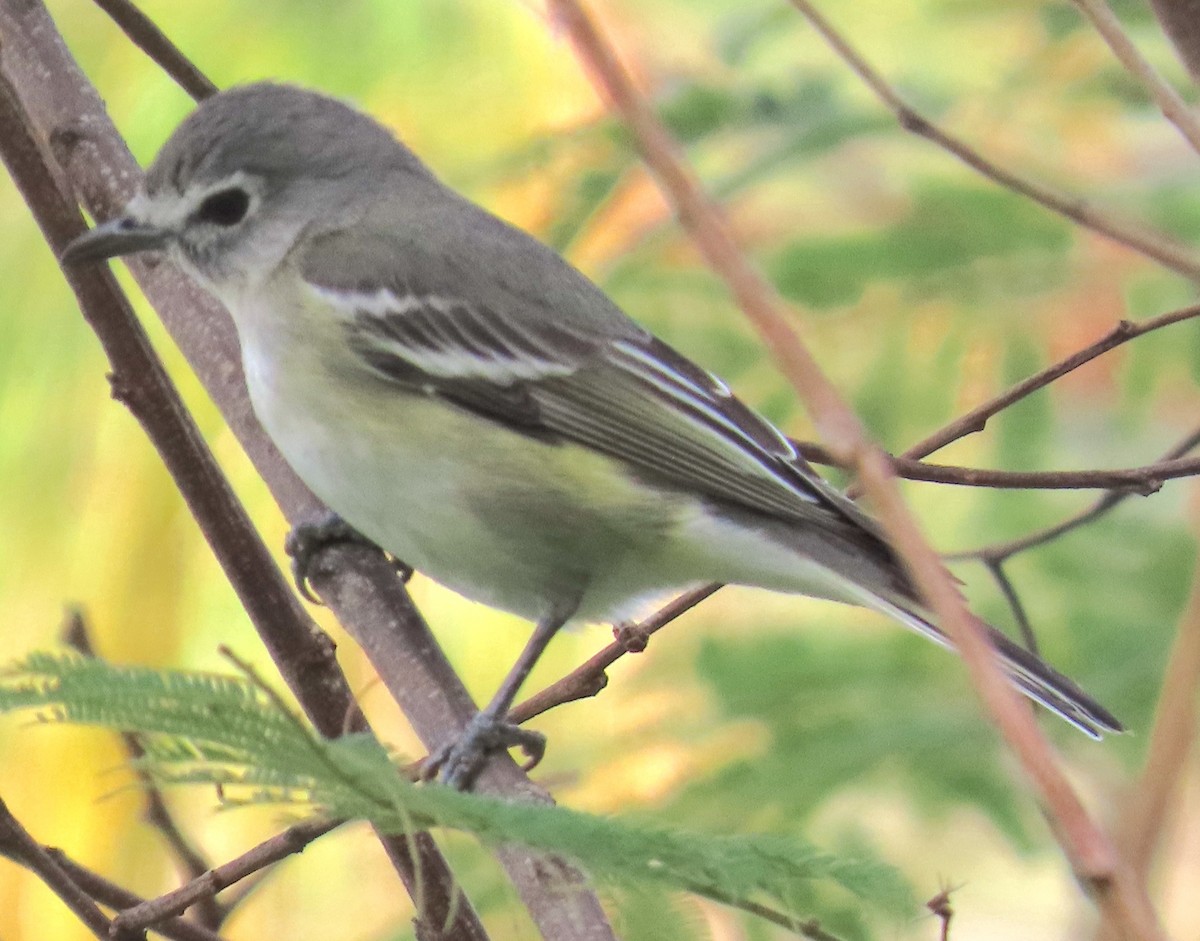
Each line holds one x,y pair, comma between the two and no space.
224,207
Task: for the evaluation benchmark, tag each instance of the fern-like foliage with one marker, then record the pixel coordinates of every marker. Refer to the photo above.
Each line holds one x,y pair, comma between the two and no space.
200,728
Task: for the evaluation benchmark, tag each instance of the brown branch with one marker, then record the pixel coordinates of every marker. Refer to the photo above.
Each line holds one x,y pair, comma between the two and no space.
412,668
108,893
144,33
976,419
18,845
1152,799
994,556
1180,20
1153,245
589,677
1140,481
1173,107
139,381
1126,481
1141,826
1120,897
293,840
303,653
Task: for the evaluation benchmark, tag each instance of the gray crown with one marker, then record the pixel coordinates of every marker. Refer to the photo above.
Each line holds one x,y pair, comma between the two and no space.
275,131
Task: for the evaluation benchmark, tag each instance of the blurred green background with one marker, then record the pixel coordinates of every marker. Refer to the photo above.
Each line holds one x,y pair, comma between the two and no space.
921,288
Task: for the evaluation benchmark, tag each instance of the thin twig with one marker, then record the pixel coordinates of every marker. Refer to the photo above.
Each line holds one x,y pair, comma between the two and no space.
1002,551
1154,796
18,845
144,33
294,839
1153,245
994,556
1173,107
805,928
940,906
156,813
589,677
996,568
976,419
1120,898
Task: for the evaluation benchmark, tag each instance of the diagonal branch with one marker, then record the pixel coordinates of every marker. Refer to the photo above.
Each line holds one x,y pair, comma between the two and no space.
1121,898
976,419
996,568
589,677
705,223
18,845
1165,251
112,895
1142,824
144,33
1154,796
205,886
995,556
1181,23
1173,107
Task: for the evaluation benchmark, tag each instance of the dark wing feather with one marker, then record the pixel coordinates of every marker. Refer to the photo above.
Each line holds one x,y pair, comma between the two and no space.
635,399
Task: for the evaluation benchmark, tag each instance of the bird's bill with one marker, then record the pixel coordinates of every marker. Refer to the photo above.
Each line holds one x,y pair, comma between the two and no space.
123,235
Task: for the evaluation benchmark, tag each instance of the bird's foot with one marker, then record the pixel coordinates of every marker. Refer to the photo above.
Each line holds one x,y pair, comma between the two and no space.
459,763
307,540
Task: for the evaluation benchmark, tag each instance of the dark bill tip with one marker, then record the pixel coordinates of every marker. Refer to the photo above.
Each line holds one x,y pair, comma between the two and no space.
121,236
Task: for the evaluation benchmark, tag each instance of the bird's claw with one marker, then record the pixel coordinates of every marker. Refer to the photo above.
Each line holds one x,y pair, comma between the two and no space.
307,540
459,763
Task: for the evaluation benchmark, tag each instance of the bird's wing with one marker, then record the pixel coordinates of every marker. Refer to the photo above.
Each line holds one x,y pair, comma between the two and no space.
631,397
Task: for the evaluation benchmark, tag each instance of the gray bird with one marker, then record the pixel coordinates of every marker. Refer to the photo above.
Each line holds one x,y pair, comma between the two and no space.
464,398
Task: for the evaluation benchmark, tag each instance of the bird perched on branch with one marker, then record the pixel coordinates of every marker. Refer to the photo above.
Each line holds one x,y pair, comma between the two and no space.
465,399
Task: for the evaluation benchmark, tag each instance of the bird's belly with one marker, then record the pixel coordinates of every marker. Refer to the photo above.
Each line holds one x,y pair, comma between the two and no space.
508,520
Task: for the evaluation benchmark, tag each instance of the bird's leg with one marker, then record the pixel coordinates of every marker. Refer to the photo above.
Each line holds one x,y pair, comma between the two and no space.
458,763
308,539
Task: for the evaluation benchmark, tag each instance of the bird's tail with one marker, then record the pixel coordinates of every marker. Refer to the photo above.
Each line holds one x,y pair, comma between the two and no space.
846,558
1025,670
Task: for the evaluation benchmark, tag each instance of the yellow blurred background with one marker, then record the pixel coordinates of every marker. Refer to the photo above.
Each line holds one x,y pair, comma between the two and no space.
914,330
